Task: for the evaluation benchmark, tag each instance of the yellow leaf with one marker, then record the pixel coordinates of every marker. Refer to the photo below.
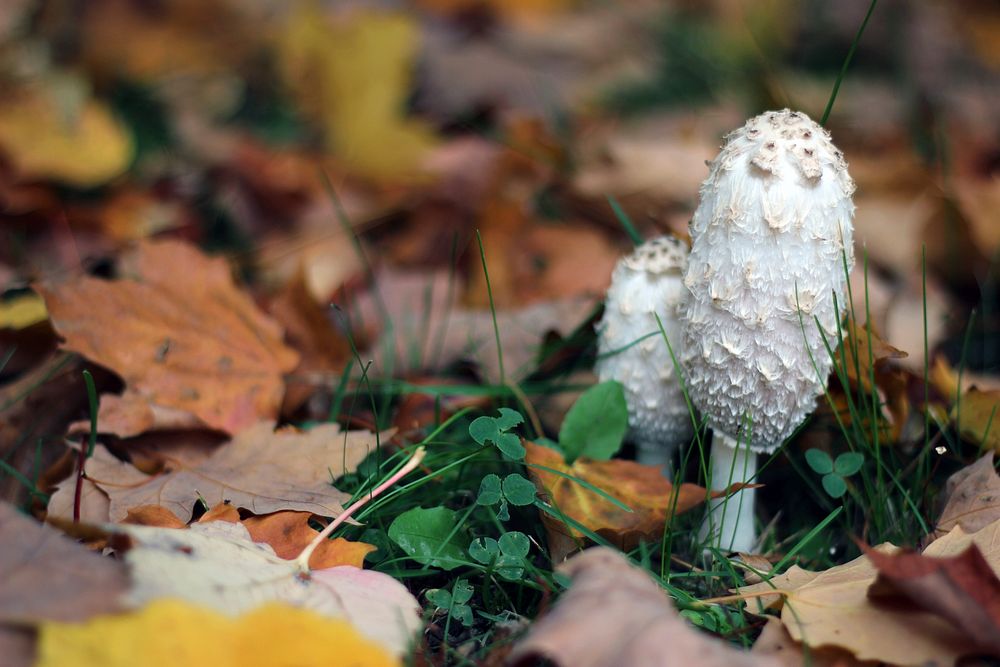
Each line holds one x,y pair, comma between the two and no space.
353,76
47,137
170,632
22,311
979,419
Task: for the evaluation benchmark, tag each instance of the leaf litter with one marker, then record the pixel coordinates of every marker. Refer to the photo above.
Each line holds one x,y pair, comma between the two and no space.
343,159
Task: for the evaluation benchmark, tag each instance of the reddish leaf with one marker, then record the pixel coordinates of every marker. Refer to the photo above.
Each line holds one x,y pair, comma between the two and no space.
963,589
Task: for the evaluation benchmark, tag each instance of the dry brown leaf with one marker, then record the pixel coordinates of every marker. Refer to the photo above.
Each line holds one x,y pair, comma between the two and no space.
832,608
454,333
289,533
47,576
17,646
153,515
976,417
322,348
260,470
184,337
858,360
642,488
961,589
973,498
615,614
759,596
130,415
775,642
95,506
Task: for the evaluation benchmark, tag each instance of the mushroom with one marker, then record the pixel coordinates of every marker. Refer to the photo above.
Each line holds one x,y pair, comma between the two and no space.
769,239
632,351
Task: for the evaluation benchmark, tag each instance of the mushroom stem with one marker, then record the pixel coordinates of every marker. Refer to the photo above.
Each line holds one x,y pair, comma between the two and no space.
653,453
729,525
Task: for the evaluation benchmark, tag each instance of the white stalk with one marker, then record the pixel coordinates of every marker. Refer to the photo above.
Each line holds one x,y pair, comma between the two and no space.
729,525
656,453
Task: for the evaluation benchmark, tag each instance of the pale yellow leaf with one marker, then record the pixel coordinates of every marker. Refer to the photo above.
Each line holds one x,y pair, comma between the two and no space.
218,565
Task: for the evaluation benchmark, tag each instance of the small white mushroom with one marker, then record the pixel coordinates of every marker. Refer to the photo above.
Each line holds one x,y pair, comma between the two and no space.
631,348
768,238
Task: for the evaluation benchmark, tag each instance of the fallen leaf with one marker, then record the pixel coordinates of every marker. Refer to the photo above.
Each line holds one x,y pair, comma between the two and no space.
351,72
130,414
55,131
322,348
289,533
153,515
976,417
832,608
961,589
22,311
759,596
217,565
455,333
775,642
642,488
17,646
973,498
228,374
858,361
261,470
47,576
615,614
173,632
95,505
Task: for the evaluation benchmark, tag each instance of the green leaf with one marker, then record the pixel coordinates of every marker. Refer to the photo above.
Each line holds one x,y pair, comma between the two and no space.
596,424
518,490
462,591
484,428
848,463
492,429
508,419
514,544
504,512
428,536
489,490
510,568
819,461
463,614
834,485
511,446
484,549
439,597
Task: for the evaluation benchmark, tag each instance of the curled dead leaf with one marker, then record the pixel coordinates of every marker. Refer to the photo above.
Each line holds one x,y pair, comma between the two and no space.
643,489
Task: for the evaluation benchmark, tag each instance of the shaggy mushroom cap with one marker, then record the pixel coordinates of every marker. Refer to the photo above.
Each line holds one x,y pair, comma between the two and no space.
643,284
769,239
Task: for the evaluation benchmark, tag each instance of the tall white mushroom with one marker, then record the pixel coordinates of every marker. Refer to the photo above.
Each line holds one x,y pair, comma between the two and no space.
768,240
644,284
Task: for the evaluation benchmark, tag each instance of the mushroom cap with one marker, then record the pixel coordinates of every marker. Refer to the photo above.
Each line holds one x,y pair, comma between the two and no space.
644,283
769,240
